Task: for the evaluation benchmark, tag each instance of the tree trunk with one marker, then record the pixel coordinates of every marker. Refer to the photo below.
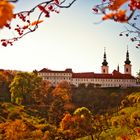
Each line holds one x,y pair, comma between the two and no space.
92,137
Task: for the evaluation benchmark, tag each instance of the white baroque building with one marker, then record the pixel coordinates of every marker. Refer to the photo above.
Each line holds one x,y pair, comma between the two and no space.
103,79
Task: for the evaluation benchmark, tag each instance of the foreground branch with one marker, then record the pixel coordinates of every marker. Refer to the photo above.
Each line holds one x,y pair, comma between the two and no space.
44,9
112,10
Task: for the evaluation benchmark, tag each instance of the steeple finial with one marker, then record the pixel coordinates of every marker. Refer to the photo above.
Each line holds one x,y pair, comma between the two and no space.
104,58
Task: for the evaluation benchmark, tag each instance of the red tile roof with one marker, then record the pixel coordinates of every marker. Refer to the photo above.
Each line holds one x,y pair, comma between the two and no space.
83,75
45,70
114,75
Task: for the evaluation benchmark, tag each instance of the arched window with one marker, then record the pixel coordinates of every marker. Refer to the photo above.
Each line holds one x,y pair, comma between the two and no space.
126,69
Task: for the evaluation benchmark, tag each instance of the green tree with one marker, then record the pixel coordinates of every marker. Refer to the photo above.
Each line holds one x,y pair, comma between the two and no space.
22,87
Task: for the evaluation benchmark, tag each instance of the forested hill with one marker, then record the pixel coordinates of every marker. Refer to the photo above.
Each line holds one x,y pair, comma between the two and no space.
100,100
30,108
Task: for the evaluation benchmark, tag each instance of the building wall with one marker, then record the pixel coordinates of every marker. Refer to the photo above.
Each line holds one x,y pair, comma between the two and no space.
104,69
104,82
55,78
127,69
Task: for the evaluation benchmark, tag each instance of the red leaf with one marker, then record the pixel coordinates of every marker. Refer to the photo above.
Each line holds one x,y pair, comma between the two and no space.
44,11
50,7
56,1
4,44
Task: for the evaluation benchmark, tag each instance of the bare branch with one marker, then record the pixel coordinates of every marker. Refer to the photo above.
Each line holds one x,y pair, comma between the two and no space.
65,6
131,15
13,0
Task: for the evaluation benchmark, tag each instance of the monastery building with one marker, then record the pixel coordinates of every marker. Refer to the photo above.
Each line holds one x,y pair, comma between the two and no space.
103,79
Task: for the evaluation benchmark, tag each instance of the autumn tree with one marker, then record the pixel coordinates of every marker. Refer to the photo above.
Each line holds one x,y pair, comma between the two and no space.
124,124
42,93
6,78
14,130
61,102
84,122
62,90
77,125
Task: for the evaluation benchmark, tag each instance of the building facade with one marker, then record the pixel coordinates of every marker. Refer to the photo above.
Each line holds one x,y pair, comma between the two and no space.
103,79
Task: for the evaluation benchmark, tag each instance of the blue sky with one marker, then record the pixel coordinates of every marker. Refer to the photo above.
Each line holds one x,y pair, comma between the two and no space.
70,39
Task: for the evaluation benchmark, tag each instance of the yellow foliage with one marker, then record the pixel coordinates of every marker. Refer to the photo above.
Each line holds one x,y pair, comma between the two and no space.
37,134
119,120
134,98
6,12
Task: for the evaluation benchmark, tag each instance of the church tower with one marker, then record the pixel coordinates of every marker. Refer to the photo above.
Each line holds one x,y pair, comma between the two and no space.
104,67
127,65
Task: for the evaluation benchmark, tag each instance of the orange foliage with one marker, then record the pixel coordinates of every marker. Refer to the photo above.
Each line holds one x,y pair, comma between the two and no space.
14,130
66,122
116,11
6,12
108,16
69,106
36,22
117,4
63,91
119,16
32,24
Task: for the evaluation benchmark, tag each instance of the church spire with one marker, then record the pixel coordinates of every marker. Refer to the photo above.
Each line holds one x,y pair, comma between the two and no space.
104,59
127,61
104,67
127,65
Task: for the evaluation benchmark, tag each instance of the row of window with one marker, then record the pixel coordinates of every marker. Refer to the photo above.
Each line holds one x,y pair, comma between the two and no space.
90,80
108,80
56,78
55,74
86,80
108,85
